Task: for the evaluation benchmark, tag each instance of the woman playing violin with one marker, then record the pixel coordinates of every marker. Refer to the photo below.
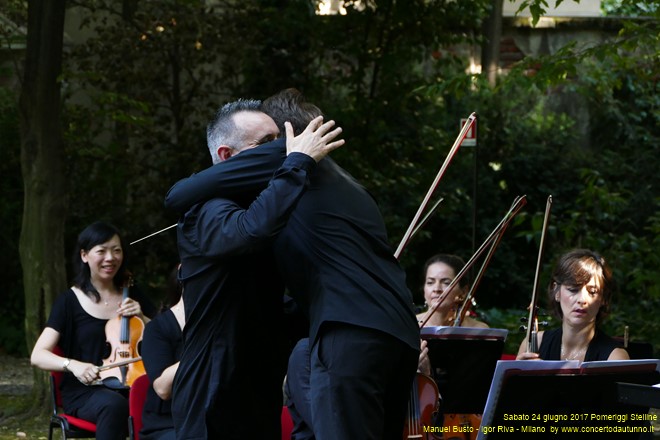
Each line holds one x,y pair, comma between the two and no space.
77,325
439,271
579,292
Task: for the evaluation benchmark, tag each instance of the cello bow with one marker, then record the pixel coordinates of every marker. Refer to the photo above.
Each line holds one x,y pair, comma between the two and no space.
532,320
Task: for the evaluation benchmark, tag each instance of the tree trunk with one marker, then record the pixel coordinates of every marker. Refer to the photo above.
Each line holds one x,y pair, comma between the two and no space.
41,243
490,50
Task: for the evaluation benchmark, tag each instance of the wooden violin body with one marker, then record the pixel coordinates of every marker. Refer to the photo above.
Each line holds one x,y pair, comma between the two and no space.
424,403
123,334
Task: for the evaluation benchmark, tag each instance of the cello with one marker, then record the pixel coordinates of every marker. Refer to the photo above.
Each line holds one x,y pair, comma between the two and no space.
423,405
123,334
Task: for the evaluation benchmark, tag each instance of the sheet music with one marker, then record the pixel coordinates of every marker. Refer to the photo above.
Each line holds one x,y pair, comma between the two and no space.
547,367
626,363
498,378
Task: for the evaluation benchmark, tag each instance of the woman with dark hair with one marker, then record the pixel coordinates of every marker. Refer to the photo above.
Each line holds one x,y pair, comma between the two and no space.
439,271
580,292
76,326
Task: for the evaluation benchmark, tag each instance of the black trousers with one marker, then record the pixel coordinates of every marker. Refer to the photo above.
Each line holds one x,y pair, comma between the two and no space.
109,410
360,383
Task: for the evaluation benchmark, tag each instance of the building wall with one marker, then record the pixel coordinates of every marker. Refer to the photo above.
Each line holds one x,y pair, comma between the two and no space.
568,8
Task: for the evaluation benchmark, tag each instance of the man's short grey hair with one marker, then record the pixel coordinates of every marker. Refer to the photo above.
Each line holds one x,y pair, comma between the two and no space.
223,131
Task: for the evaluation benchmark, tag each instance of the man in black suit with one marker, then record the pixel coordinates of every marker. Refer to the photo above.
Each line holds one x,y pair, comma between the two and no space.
336,261
233,294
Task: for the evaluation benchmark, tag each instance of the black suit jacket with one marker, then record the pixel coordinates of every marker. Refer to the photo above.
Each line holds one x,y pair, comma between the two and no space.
333,253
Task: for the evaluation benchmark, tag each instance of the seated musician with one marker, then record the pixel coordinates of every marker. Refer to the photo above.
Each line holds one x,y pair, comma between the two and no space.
580,292
161,350
77,325
439,271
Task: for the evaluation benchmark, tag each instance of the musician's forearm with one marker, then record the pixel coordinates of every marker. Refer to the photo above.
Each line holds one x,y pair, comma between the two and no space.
163,384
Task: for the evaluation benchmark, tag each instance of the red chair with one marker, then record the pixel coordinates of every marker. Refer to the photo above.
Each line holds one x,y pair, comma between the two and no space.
136,398
71,427
287,423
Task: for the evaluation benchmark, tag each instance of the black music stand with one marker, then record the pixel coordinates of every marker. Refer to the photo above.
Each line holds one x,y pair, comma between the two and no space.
637,349
463,361
641,395
535,397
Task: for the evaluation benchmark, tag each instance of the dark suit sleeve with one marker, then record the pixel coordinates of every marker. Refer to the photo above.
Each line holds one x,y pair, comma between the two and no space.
246,173
221,227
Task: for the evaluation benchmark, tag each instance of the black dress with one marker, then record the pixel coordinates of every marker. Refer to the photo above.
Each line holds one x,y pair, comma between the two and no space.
161,348
82,337
599,348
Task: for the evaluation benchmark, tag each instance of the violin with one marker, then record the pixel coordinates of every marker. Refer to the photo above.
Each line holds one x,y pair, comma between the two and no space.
123,334
423,405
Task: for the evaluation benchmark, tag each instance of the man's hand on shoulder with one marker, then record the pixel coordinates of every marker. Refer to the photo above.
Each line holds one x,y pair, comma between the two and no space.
316,141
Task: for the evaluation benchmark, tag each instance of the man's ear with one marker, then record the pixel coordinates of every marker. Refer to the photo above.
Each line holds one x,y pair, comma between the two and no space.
224,152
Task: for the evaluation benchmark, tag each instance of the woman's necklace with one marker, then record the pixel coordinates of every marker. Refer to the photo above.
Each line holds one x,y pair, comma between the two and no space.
576,354
108,300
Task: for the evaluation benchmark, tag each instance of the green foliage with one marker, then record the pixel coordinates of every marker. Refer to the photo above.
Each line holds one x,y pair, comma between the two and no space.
628,8
580,124
606,176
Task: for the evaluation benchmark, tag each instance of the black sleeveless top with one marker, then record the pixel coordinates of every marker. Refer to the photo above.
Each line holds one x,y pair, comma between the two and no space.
599,348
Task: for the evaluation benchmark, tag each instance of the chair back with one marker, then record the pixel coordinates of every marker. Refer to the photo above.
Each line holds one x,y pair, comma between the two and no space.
287,423
136,399
56,397
55,381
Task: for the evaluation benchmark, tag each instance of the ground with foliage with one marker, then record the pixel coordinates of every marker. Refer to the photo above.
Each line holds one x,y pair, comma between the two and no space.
18,417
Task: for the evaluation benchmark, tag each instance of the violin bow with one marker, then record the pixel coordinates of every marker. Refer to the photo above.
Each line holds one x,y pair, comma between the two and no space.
120,363
426,217
413,225
464,307
452,152
532,320
152,234
517,205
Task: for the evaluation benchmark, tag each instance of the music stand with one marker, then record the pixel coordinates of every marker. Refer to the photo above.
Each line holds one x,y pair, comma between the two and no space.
463,361
548,398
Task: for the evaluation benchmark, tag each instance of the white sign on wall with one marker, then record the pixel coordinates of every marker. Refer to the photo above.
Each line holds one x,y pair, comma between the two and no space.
471,136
